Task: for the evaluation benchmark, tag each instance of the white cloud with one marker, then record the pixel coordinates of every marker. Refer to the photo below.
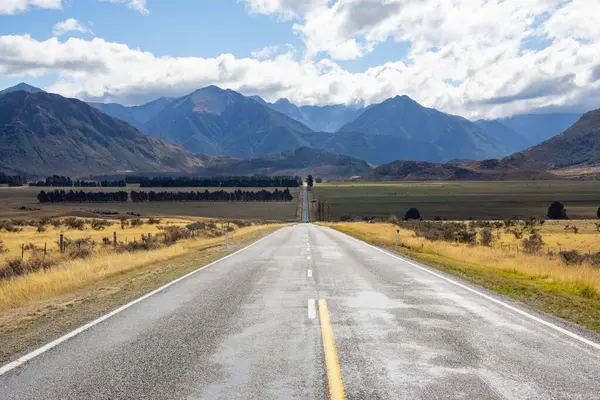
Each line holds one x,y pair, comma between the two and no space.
461,60
70,25
138,5
16,6
496,81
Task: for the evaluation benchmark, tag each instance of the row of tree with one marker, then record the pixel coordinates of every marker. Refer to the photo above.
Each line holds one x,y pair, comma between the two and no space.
230,181
61,196
220,195
11,180
65,181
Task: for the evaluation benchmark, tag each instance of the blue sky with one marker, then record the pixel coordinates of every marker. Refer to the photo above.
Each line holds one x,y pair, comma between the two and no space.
454,56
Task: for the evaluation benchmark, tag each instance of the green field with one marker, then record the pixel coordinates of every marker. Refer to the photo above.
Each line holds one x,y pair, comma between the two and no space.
461,200
11,199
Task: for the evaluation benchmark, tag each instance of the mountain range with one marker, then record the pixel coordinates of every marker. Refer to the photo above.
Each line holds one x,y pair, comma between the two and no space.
43,133
219,131
225,123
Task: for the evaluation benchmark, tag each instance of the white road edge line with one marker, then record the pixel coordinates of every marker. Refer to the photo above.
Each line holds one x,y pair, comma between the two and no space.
29,356
485,296
312,310
309,273
308,258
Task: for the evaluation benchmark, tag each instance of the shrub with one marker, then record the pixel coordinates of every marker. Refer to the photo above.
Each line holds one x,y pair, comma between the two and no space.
201,226
134,214
99,224
557,211
124,222
153,221
518,234
55,223
241,223
533,244
487,237
468,237
10,226
319,180
413,214
74,223
393,220
40,228
2,248
136,222
572,257
598,213
571,228
106,241
18,266
173,234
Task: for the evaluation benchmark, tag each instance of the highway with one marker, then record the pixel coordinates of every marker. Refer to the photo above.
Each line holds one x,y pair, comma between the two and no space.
254,325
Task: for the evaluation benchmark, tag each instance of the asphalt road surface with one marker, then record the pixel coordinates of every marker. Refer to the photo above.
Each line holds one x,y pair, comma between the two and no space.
248,328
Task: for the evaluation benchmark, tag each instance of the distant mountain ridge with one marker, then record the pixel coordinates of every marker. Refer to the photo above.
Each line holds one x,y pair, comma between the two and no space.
318,118
43,133
223,122
577,146
448,136
537,128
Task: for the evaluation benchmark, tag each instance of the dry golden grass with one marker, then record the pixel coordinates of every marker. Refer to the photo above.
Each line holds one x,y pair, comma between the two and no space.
71,275
13,241
550,270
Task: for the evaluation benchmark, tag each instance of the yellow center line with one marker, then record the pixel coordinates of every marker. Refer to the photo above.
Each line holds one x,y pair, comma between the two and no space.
332,363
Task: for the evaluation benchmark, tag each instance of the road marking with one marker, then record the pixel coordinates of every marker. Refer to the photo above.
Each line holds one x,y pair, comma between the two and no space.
312,310
308,258
29,356
309,273
332,363
490,298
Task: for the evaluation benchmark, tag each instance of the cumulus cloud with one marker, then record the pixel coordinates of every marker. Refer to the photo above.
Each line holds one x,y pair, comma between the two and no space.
16,6
496,82
138,5
461,60
70,25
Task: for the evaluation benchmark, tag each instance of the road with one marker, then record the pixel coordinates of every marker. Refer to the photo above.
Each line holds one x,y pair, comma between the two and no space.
247,328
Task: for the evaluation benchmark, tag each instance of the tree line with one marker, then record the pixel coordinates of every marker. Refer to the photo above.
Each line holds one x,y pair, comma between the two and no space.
217,196
62,196
11,180
230,181
65,181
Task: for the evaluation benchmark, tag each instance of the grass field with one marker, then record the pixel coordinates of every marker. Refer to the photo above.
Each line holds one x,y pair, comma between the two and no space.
543,281
461,200
37,306
11,199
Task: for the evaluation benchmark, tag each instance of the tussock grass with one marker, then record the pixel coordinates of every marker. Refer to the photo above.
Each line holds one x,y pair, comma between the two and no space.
576,279
70,275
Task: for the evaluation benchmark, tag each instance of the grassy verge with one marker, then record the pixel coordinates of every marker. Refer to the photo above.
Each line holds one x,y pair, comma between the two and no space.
567,291
38,307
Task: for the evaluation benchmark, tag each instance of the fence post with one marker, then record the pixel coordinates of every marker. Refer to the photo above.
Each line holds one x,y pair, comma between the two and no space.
62,243
22,251
115,239
45,249
226,237
397,237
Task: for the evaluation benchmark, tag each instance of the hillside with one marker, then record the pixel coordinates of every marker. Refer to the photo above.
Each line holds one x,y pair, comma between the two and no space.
536,128
578,146
453,136
302,162
376,149
488,170
223,122
42,133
